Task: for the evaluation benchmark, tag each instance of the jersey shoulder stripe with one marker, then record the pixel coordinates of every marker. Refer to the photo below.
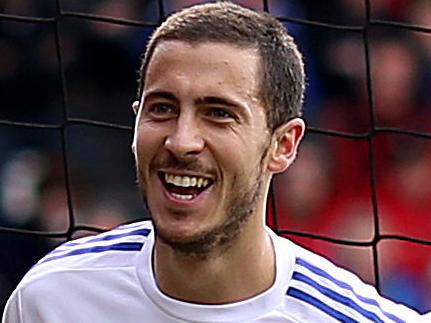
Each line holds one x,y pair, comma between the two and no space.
317,281
303,296
122,246
343,285
125,238
111,235
336,297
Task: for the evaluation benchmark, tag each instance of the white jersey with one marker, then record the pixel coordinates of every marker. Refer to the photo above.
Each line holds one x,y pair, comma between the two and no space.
109,278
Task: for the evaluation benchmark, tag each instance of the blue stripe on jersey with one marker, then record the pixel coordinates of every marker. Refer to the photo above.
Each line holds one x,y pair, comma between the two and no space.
298,294
107,237
336,297
346,286
123,246
130,225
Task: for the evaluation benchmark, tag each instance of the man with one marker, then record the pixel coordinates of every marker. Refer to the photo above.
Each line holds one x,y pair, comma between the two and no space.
220,98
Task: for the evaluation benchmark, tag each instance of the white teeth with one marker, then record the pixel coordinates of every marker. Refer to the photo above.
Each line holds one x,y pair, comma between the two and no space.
200,181
186,197
186,181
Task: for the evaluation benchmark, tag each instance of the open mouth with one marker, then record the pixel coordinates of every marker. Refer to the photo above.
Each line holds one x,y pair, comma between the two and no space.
184,187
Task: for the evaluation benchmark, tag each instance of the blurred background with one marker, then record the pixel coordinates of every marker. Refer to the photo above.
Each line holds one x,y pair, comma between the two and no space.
327,192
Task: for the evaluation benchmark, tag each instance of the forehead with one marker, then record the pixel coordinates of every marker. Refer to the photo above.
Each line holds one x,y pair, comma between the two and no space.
205,64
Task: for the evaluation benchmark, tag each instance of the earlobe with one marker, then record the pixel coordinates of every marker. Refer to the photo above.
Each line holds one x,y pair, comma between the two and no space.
135,107
285,145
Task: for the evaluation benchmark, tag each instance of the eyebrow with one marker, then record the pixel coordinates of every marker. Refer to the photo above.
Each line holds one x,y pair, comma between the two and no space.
216,100
222,101
160,94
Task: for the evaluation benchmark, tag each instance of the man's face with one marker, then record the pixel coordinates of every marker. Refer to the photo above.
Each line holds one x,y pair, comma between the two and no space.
200,140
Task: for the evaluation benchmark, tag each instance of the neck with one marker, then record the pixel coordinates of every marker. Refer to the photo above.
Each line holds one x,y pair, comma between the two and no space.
244,270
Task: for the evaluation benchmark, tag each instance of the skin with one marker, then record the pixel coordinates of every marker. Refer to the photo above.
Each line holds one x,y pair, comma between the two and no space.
200,115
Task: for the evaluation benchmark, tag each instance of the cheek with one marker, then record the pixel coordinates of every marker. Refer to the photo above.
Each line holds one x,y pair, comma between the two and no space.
242,149
146,144
239,160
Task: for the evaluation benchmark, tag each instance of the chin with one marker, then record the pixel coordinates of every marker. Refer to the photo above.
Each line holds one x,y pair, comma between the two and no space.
178,231
191,239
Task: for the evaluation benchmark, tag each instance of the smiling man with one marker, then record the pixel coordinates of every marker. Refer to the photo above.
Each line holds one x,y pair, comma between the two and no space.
218,114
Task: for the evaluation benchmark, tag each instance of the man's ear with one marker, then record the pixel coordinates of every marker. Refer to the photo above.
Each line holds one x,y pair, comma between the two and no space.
284,147
135,107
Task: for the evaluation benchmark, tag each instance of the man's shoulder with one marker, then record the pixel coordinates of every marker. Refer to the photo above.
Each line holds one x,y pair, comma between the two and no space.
101,266
110,249
320,286
317,267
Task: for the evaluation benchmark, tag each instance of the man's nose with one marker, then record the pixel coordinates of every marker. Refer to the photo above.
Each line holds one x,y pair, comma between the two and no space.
185,138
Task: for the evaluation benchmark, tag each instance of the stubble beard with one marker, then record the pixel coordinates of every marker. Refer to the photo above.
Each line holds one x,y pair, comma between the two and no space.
241,205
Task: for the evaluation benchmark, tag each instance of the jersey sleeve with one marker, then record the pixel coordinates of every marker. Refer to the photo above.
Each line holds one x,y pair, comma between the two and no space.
321,286
426,317
13,310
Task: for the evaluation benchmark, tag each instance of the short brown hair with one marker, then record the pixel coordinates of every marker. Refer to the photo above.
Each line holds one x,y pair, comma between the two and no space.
283,81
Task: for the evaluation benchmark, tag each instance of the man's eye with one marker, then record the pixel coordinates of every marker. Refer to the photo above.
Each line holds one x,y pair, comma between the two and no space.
161,109
220,114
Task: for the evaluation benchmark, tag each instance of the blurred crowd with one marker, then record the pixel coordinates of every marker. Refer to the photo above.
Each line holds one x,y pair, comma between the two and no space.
329,191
